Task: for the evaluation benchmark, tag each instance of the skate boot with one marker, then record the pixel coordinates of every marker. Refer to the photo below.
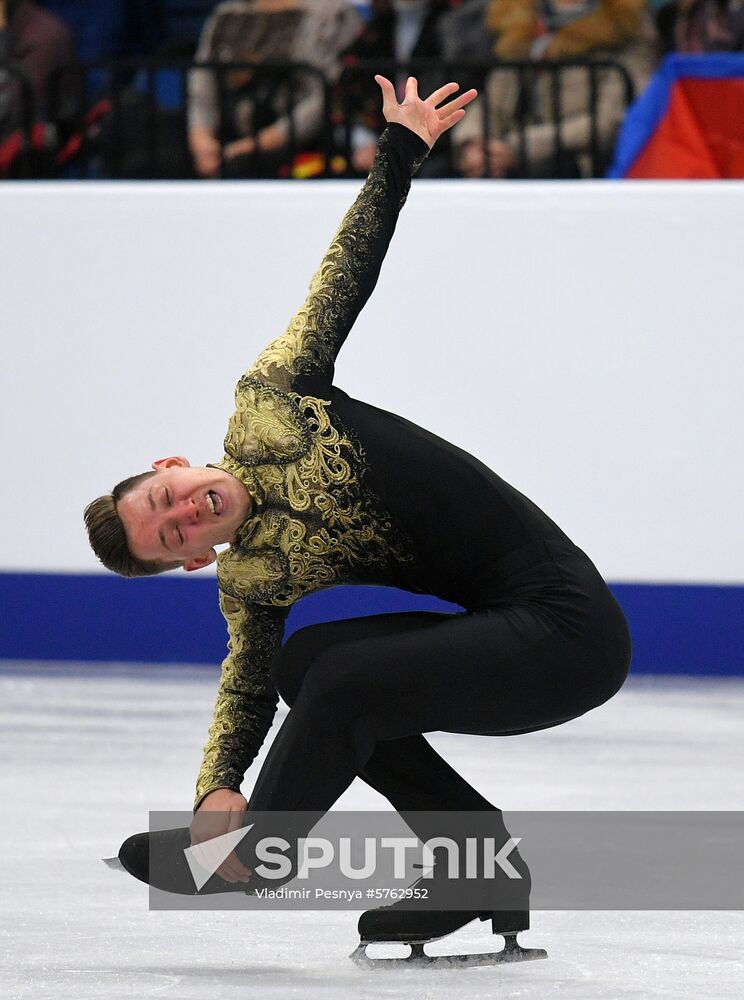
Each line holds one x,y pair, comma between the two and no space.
165,860
417,923
159,860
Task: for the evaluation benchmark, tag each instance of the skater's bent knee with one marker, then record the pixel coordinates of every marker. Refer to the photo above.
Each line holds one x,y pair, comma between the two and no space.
331,692
292,662
289,665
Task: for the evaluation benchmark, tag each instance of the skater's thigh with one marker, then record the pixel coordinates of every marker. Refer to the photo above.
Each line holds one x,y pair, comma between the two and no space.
308,645
496,671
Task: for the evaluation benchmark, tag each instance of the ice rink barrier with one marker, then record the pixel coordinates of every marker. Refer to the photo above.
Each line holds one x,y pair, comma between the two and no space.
582,339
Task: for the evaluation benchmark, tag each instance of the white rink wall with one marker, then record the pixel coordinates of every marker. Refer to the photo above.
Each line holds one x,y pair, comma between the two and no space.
584,340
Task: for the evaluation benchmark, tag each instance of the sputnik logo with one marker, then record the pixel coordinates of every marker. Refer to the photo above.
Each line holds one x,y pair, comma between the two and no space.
204,859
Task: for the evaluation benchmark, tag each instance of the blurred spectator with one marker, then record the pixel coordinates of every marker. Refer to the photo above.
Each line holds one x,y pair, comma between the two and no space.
363,8
38,44
540,30
463,34
182,24
398,30
110,29
707,25
248,132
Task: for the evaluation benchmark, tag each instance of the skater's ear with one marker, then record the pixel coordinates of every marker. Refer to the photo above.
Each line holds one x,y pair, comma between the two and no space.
168,463
199,562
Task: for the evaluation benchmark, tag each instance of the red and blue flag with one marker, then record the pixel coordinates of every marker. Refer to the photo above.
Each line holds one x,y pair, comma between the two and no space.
688,123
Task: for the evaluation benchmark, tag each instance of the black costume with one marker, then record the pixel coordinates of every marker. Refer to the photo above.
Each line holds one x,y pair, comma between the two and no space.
349,493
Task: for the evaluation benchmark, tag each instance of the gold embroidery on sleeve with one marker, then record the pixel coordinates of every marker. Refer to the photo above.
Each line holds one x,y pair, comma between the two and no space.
314,334
308,344
246,701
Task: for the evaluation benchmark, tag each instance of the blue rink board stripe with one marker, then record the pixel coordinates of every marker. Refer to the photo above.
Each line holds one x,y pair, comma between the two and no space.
677,628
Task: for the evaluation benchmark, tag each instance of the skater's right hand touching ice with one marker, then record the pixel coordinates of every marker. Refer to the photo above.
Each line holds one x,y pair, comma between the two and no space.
221,812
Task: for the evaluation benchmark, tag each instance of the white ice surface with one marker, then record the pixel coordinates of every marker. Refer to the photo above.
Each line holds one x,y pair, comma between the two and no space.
85,755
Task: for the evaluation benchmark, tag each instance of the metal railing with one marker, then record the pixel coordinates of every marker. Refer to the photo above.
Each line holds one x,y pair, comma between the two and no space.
144,131
527,74
600,147
128,119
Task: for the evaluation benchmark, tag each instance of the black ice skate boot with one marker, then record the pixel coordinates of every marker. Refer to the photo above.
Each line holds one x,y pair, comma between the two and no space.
158,859
415,923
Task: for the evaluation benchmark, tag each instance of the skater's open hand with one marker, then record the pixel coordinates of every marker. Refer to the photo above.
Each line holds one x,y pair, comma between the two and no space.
424,118
221,812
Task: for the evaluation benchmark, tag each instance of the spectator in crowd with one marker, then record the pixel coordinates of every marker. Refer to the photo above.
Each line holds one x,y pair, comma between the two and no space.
249,131
38,44
399,30
110,29
708,25
540,30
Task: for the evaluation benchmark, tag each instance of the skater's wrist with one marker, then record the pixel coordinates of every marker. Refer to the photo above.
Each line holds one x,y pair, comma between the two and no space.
221,798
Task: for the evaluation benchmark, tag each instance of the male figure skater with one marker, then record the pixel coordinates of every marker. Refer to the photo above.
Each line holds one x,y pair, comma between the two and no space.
316,489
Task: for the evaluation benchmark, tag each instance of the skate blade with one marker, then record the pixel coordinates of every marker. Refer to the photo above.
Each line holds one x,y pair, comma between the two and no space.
114,863
512,952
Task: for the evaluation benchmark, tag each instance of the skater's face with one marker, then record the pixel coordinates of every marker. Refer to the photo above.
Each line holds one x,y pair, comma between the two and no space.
180,513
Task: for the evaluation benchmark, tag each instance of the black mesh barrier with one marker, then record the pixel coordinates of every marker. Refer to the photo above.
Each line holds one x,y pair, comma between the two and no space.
129,119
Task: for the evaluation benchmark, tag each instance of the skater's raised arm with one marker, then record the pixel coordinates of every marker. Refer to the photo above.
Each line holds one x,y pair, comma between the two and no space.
351,266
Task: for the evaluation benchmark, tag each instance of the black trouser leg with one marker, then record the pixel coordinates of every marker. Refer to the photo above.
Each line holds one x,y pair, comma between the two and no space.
412,776
363,683
407,770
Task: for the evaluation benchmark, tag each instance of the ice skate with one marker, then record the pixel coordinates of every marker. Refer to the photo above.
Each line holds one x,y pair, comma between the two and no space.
158,859
418,924
417,928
